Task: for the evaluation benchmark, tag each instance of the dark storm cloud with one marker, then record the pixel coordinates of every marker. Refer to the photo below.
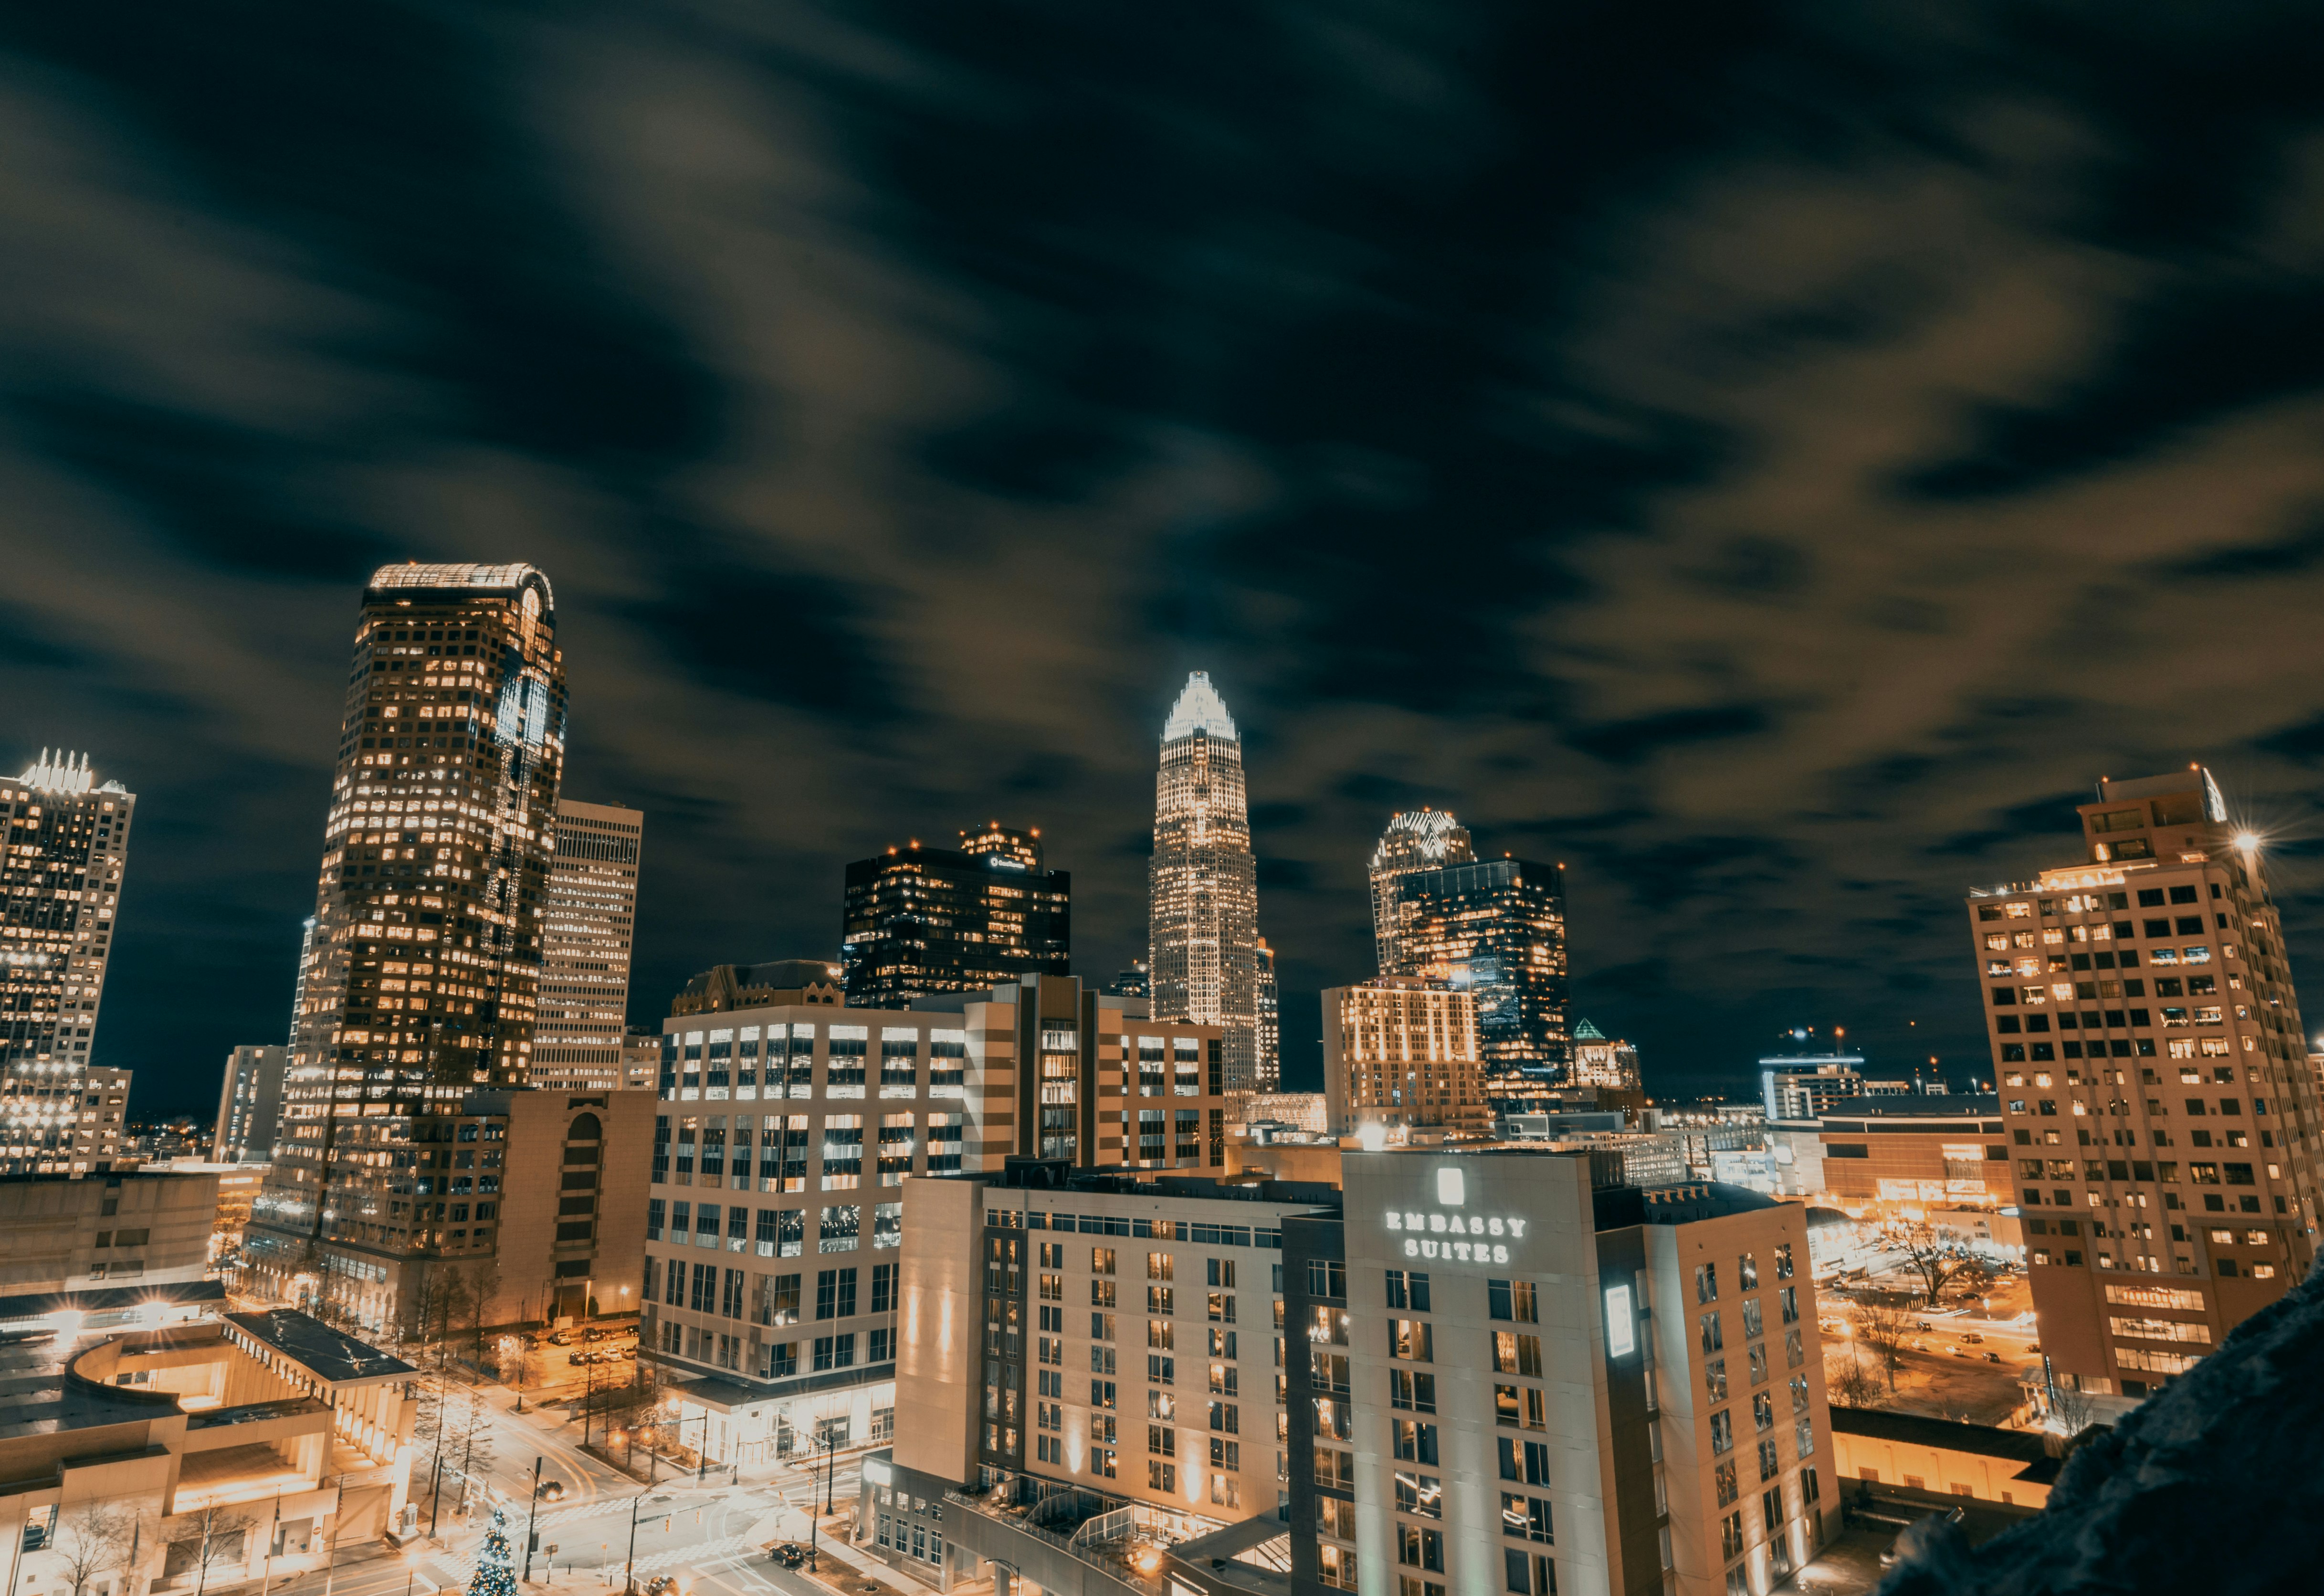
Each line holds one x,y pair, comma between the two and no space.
1768,459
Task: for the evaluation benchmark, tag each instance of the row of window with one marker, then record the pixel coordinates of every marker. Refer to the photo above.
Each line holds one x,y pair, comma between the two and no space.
778,1233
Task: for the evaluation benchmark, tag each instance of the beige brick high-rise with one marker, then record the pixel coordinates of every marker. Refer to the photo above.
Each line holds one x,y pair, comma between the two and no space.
586,940
1403,1054
2152,1071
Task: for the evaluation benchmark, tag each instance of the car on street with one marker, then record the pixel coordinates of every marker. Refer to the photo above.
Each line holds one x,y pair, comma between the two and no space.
790,1554
1974,1339
1922,1324
560,1338
552,1490
1992,1357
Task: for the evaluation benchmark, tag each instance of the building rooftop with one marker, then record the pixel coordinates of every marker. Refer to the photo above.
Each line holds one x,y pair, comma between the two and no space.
336,1359
2030,1447
108,1299
1702,1199
1058,1177
1199,708
1915,1105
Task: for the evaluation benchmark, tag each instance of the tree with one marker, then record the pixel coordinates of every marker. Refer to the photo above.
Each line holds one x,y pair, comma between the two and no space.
1850,1384
495,1574
2073,1409
473,1418
95,1537
217,1542
482,1285
1935,1258
1882,1324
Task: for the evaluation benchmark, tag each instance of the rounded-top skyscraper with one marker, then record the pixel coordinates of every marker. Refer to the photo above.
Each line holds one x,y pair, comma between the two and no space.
1415,839
1202,883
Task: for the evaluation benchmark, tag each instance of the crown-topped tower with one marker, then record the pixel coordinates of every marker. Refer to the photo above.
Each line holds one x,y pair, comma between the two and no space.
1202,883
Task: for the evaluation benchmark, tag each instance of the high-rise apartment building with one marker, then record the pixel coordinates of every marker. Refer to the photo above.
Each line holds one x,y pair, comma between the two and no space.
788,1132
1496,929
586,938
426,967
1415,839
250,1105
1203,882
1599,1060
2155,1082
924,921
67,840
1270,1075
1403,1054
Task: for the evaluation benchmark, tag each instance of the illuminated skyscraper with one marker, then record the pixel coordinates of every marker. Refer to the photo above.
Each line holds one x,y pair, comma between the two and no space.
1422,839
924,921
584,984
1202,883
2161,1111
68,843
1599,1061
1496,928
422,981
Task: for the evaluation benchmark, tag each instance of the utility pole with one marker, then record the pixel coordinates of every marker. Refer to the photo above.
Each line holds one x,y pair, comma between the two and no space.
530,1516
629,1585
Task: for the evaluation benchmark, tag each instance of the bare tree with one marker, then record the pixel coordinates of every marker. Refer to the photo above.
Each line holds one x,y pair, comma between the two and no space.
1882,1325
217,1542
482,1283
473,1418
95,1537
1851,1384
2073,1409
1937,1260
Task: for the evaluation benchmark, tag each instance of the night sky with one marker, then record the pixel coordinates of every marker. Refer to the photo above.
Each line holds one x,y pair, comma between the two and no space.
1772,460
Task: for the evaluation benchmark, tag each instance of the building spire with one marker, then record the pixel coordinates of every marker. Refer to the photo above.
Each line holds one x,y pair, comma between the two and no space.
1199,708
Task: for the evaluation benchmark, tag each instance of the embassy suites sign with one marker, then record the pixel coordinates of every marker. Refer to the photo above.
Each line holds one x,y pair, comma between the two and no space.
1432,1233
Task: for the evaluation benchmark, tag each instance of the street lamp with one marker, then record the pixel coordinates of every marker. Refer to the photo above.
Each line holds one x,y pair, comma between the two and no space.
412,1564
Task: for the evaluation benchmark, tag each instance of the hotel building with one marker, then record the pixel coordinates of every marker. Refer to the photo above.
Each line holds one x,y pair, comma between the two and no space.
1203,882
67,843
1486,1371
586,938
921,922
776,1217
422,983
1403,1054
2161,1115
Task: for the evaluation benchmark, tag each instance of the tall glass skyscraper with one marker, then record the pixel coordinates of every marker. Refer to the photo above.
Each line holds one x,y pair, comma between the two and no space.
1496,928
422,981
1202,883
67,843
1415,839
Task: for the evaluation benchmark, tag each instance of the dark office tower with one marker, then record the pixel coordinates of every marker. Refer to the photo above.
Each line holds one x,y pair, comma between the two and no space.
1415,839
1269,1010
920,921
422,983
1203,882
1497,929
67,843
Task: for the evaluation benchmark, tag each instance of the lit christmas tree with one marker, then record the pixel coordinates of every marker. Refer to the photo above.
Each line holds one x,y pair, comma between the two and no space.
495,1573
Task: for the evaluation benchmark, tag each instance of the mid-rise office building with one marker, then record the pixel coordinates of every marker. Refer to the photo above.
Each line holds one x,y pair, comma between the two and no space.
67,839
424,977
1881,1155
1403,1055
2155,1082
1132,983
788,1132
1801,1086
1203,882
61,1235
250,1105
1269,1073
1581,1386
1415,840
1496,929
586,938
70,1123
1600,1060
921,922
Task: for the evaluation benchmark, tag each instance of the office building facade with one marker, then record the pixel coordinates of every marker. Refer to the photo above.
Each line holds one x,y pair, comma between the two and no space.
2155,1082
586,938
921,922
1497,930
1268,1075
423,982
1581,1386
1415,840
67,850
786,1134
1802,1087
250,1105
1403,1055
1203,882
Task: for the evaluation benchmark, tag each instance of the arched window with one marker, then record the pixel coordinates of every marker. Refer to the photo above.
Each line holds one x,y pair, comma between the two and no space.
585,1129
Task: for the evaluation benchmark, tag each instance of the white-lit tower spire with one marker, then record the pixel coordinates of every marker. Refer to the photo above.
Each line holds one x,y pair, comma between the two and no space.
1202,885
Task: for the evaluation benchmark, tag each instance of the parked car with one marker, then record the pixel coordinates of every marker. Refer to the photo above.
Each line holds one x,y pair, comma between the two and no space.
1992,1357
1956,1351
2033,1346
1974,1339
560,1338
1922,1324
790,1554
